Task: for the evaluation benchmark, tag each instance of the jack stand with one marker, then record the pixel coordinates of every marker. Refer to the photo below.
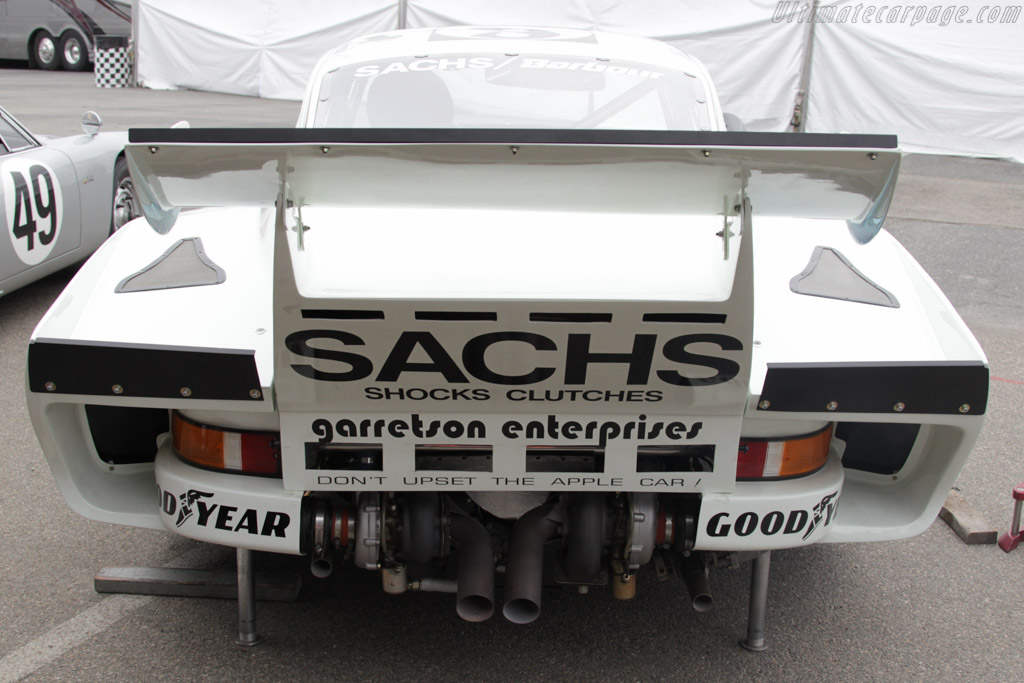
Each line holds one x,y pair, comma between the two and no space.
241,584
1008,542
758,603
247,635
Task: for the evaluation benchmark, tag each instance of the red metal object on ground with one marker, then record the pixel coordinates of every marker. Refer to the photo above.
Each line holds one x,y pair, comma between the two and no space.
1011,540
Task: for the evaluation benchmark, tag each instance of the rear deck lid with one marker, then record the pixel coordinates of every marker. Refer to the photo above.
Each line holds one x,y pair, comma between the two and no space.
408,354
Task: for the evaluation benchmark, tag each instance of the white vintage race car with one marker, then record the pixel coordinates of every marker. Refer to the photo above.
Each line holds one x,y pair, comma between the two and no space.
59,197
513,304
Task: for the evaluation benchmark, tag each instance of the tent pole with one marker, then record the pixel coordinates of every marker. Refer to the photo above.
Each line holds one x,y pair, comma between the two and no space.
403,14
799,120
135,44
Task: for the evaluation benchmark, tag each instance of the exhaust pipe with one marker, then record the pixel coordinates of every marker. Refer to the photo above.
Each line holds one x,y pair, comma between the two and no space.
321,567
524,574
696,580
331,527
474,597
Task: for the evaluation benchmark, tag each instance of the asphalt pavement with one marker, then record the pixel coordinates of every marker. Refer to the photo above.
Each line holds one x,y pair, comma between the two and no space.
929,608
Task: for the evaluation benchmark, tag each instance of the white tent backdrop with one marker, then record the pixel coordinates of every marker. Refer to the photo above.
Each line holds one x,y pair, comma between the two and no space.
754,62
956,88
265,48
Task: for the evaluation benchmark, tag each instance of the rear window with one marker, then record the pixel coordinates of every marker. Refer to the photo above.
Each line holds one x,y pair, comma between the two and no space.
513,91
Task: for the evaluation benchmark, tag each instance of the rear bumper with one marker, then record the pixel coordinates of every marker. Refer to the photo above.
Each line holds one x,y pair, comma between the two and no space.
259,513
228,509
772,515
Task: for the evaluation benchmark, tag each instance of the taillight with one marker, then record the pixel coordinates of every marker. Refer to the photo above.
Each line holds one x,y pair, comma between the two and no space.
227,449
783,458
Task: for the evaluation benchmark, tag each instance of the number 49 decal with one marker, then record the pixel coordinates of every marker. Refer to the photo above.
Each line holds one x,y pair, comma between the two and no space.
33,208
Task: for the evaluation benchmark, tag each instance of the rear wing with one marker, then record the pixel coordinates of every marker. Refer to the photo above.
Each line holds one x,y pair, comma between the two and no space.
830,176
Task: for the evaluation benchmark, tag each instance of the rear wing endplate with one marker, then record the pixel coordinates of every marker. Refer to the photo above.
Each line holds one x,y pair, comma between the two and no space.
803,175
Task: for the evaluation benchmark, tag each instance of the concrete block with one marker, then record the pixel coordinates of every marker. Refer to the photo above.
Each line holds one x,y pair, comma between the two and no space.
966,521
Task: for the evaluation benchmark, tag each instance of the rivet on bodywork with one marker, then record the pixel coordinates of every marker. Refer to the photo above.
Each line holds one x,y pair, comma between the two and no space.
186,392
831,405
764,405
325,149
705,152
117,389
50,386
514,149
872,155
965,408
900,407
255,393
154,150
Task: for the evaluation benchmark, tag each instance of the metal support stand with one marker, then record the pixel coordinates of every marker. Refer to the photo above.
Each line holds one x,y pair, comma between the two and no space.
241,584
1008,542
758,603
247,635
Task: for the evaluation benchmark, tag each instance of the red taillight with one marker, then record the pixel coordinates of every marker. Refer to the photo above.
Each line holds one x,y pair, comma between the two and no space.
783,458
227,449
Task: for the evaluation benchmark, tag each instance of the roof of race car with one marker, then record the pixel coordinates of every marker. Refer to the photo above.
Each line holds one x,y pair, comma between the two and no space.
478,39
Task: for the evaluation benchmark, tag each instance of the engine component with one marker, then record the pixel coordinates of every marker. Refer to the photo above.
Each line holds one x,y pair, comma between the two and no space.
641,541
321,564
475,595
435,586
695,576
584,537
421,527
508,504
525,563
369,531
623,583
331,529
665,532
395,579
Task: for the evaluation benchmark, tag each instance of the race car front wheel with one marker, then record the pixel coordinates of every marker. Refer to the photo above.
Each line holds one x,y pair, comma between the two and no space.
125,205
74,55
44,50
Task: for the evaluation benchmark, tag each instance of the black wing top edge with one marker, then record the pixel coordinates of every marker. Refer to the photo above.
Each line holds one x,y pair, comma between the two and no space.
155,136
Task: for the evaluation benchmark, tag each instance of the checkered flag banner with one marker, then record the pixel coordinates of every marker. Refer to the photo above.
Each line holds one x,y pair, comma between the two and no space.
112,65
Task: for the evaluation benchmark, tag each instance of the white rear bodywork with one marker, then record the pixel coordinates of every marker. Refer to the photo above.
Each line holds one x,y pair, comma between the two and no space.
483,265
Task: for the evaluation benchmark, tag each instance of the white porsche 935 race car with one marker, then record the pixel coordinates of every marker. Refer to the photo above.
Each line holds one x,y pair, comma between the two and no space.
59,197
509,304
